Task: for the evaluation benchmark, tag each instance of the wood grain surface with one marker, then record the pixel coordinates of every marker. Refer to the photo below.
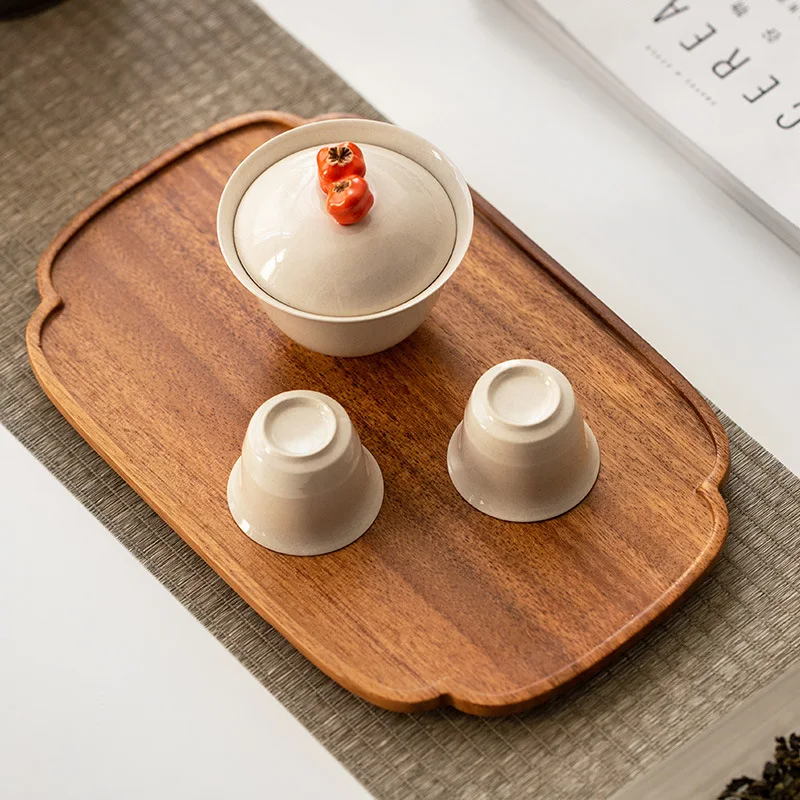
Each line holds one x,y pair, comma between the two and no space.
155,353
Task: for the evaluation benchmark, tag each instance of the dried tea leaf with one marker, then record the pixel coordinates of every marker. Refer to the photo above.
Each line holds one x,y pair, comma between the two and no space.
780,779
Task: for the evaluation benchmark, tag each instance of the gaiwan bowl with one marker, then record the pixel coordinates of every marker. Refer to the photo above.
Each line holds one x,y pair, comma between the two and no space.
354,290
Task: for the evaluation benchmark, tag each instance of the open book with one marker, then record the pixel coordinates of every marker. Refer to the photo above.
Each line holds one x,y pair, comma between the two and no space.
719,79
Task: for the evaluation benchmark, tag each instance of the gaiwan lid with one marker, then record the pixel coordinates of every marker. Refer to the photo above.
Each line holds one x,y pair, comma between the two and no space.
297,252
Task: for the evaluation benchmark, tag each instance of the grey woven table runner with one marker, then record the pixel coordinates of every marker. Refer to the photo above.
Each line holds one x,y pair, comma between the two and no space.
88,92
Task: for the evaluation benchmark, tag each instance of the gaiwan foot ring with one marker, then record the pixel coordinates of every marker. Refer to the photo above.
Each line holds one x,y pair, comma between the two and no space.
304,485
523,452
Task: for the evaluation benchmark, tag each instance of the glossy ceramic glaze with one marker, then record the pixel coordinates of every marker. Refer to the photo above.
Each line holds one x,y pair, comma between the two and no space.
294,250
304,484
364,333
523,452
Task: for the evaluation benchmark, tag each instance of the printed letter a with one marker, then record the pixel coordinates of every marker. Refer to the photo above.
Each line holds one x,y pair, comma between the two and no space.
671,9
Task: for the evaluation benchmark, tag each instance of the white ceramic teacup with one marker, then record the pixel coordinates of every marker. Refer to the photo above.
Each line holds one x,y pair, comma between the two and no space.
523,452
304,485
359,334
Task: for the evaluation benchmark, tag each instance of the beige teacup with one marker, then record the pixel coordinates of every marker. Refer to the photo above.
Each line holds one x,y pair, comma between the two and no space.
304,485
523,452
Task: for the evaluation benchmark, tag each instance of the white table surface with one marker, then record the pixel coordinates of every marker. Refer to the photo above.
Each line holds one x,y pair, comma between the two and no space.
108,687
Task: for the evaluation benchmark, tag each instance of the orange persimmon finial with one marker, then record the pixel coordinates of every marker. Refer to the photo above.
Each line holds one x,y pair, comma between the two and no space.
339,161
349,200
341,169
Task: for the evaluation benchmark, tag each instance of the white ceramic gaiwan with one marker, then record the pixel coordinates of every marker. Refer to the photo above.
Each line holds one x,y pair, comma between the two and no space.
345,290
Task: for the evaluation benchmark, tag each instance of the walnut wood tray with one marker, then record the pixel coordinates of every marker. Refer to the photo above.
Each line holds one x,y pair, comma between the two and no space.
153,351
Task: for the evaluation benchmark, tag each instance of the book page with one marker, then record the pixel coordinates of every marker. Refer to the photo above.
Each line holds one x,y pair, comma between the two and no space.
725,73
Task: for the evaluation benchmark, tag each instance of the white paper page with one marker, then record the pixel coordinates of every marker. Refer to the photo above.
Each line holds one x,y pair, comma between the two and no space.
725,73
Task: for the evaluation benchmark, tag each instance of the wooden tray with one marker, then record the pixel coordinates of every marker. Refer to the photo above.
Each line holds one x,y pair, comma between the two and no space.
153,351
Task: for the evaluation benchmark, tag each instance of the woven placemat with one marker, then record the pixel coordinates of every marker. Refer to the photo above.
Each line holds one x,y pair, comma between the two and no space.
88,92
